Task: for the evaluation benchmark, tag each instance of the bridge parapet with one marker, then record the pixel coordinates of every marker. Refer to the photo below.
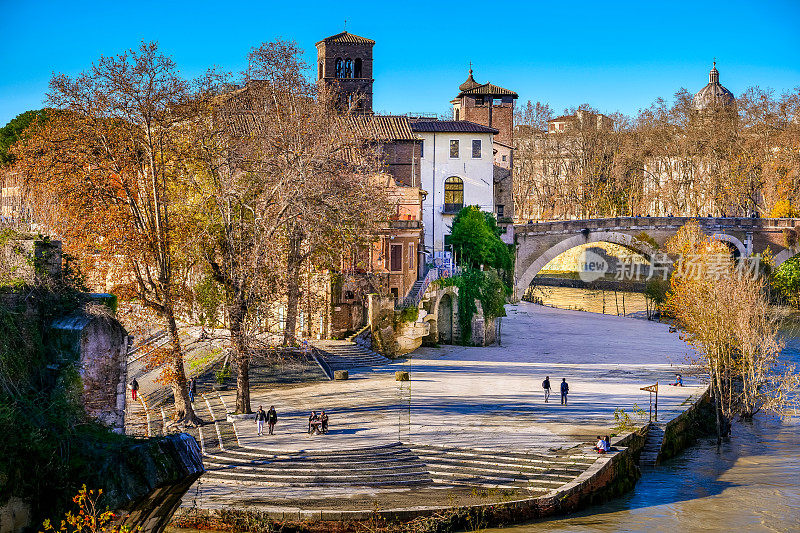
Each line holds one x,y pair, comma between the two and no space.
650,223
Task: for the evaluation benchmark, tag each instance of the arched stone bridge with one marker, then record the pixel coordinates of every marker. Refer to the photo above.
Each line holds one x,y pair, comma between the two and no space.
538,243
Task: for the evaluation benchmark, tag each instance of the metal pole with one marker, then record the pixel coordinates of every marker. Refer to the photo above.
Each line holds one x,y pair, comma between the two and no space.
651,407
656,417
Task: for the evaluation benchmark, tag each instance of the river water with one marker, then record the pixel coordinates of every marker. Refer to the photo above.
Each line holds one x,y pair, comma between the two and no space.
752,483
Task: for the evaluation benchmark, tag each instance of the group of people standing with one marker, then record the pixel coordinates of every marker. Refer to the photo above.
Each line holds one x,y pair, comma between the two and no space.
564,390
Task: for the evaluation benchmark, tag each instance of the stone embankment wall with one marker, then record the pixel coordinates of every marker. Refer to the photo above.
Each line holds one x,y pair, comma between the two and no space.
698,421
145,484
391,335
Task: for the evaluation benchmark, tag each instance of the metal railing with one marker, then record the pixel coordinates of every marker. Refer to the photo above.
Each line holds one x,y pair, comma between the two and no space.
431,275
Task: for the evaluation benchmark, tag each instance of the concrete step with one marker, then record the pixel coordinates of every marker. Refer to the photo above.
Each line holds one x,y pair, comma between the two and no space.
648,458
344,355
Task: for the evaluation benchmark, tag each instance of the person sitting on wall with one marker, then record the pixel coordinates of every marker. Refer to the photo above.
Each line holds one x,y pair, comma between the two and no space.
607,441
600,447
678,381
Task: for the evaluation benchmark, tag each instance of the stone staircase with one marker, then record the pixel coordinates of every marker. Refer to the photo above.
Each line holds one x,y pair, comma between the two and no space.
344,355
396,466
648,458
501,469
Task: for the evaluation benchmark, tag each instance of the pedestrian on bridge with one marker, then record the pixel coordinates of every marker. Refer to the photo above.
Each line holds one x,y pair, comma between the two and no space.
564,391
546,387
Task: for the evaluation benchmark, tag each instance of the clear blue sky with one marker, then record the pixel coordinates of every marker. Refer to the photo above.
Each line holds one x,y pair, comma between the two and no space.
617,56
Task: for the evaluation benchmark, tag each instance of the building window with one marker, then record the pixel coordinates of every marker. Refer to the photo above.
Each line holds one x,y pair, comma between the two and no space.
358,73
500,211
320,70
497,101
457,115
339,68
349,295
348,68
421,149
454,148
411,256
396,253
453,194
504,157
476,148
479,100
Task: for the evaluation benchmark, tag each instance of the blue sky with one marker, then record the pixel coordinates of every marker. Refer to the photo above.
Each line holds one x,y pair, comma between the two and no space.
617,56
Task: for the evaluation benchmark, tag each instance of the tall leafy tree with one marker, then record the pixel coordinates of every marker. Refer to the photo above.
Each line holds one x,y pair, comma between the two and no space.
13,132
475,240
106,174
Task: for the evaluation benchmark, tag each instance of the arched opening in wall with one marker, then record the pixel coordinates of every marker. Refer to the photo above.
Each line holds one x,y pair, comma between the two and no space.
357,70
320,73
348,68
735,253
596,261
600,276
444,320
339,67
453,194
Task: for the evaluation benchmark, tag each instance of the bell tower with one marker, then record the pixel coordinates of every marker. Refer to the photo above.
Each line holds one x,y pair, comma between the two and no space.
344,64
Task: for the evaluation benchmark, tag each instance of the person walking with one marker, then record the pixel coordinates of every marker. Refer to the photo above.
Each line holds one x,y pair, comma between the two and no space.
272,417
192,389
134,389
564,391
546,387
261,417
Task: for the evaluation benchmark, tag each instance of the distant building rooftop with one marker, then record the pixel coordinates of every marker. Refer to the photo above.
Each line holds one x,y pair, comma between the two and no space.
345,37
451,126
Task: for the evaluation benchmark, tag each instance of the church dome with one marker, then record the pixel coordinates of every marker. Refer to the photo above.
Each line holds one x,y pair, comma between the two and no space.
469,84
713,93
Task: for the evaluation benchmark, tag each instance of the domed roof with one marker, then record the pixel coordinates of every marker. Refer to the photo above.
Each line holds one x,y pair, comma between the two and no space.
469,84
713,93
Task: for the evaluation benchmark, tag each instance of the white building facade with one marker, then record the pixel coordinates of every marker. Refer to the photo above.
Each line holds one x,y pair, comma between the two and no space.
457,170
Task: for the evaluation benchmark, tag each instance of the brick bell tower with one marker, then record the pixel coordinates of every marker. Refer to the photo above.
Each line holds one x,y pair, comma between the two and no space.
344,62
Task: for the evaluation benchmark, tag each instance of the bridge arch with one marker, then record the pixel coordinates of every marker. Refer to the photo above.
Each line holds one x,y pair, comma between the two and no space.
635,245
783,256
733,242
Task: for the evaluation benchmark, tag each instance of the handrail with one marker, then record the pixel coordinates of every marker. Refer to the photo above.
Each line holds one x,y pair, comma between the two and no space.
326,369
434,273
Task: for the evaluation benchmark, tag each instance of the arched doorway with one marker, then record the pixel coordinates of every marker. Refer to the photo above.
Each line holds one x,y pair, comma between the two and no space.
444,319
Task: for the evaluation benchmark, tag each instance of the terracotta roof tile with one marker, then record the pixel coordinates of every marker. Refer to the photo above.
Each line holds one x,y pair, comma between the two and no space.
345,37
383,127
489,89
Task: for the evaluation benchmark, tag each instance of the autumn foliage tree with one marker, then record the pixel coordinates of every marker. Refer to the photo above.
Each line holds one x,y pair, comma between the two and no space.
104,173
722,307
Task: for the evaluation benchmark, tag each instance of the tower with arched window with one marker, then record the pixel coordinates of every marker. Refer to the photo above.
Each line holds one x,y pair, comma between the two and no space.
344,63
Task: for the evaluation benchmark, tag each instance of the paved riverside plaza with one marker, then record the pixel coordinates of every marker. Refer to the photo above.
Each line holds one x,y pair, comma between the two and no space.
470,425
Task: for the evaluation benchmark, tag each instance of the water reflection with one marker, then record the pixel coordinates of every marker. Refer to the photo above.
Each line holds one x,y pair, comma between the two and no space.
621,303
